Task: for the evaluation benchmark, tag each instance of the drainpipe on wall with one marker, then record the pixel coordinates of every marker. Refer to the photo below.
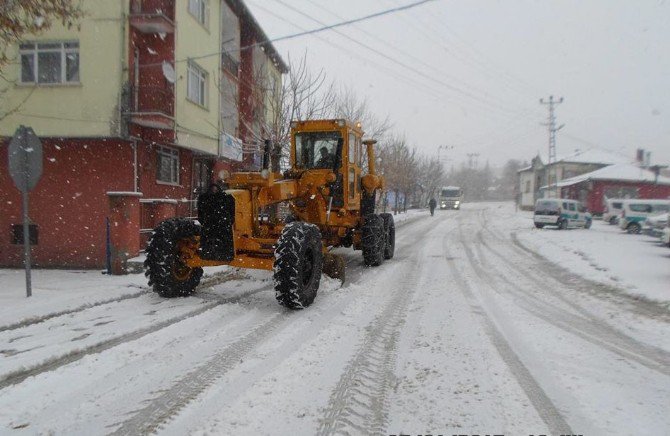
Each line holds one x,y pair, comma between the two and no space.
135,172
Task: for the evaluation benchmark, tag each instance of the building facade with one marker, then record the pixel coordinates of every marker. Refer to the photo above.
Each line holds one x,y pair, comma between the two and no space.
615,181
145,99
539,180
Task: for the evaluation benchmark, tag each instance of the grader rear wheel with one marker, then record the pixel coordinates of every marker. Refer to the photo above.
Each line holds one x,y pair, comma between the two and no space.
298,265
373,241
389,230
168,274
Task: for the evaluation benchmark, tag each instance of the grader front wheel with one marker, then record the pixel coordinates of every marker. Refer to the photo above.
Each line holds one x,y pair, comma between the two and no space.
168,274
298,265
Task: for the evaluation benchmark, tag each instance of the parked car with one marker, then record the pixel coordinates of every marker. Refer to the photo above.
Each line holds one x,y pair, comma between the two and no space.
654,225
561,212
635,212
612,210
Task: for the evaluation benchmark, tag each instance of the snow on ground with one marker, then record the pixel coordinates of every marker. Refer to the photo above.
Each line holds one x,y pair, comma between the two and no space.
464,331
637,264
56,291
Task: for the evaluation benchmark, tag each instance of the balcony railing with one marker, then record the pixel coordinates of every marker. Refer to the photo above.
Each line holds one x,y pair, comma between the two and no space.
152,106
229,64
149,17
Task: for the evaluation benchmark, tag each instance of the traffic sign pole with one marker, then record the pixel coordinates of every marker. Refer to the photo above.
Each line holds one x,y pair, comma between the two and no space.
26,244
25,168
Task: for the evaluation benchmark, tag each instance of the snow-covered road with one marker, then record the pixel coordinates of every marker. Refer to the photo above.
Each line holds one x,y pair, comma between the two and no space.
464,331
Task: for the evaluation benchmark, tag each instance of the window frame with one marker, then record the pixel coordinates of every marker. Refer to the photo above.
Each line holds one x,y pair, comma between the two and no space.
163,152
201,14
203,87
63,52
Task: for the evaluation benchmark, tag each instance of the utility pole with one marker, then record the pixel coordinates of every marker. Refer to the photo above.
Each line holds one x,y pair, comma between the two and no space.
551,127
472,160
445,148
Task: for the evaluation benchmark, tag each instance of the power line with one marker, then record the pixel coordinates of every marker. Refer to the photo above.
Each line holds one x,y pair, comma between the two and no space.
430,90
402,64
316,30
490,71
389,45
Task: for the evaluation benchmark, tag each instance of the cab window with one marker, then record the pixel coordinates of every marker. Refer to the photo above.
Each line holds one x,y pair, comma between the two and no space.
359,152
352,183
316,149
572,206
352,148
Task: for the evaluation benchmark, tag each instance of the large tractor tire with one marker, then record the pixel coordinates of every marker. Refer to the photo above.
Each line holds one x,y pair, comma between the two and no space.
373,240
168,275
389,231
298,265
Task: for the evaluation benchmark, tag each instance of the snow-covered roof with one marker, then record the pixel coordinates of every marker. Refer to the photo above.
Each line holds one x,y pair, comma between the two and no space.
624,172
595,156
529,167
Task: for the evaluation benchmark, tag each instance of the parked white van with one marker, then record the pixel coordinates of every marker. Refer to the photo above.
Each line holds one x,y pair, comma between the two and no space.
612,210
561,212
635,212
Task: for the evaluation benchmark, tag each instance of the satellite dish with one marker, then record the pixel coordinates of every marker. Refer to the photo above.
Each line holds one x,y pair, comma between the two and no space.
168,72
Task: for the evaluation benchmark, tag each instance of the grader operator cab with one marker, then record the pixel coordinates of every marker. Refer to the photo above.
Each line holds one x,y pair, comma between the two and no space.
331,203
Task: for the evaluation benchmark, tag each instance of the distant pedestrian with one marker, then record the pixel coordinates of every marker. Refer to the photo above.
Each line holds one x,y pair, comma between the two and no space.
432,204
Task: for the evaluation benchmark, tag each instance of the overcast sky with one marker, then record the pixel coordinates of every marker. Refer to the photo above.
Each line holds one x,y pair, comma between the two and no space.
469,74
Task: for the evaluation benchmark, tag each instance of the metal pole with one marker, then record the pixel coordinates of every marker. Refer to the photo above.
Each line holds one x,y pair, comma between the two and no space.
26,244
108,247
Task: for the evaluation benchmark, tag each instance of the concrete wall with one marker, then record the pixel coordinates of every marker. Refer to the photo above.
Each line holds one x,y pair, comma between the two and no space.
197,126
89,108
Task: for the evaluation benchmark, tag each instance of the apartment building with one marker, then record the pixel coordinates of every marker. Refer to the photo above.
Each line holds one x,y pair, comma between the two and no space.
138,110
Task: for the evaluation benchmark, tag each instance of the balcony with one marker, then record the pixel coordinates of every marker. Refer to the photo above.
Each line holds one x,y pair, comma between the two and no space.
152,106
147,19
229,64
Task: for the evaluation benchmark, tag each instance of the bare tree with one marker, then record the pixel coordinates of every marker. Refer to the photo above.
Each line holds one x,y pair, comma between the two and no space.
349,106
302,95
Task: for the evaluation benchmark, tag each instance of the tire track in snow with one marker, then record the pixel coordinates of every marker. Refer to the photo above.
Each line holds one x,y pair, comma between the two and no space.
358,403
587,327
545,408
207,283
171,401
168,405
56,362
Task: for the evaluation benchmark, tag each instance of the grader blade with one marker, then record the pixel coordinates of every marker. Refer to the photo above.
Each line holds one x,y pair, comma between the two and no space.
334,266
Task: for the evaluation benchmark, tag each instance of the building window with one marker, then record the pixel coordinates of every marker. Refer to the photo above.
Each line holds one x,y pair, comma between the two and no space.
17,234
50,62
200,11
527,186
168,165
197,84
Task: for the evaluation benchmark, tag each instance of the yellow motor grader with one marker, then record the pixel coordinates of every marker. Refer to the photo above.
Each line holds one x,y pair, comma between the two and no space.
331,203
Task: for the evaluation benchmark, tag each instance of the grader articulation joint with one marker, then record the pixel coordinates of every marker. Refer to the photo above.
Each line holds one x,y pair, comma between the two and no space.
331,204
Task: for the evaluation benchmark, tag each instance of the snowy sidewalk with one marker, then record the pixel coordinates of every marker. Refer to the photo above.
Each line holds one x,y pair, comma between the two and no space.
636,264
59,291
